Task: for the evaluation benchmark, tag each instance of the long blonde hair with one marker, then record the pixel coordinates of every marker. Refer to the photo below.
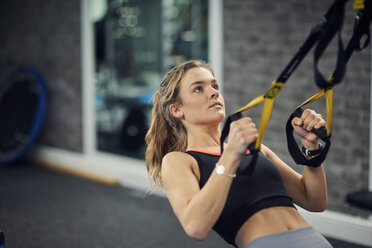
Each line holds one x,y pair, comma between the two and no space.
166,133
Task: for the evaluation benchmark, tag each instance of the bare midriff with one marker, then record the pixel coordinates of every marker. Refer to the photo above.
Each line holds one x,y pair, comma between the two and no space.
269,221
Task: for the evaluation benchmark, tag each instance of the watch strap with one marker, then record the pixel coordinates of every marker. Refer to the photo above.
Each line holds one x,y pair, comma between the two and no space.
311,153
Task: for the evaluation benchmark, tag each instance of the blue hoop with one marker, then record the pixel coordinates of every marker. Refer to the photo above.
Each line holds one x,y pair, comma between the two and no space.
39,113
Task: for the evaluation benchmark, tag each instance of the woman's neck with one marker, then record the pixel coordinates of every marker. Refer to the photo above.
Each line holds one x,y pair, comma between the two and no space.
203,138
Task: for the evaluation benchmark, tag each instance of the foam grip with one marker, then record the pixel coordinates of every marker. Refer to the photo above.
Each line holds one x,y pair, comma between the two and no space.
296,152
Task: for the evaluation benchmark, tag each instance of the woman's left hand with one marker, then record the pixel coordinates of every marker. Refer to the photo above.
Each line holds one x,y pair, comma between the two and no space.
303,126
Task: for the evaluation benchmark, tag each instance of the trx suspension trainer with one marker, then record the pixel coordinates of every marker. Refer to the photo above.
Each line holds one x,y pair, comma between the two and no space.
321,35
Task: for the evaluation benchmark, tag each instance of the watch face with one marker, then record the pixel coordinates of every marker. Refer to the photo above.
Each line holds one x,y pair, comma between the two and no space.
220,169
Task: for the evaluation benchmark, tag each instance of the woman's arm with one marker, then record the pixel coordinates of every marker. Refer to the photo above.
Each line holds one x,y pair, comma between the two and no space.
308,190
198,209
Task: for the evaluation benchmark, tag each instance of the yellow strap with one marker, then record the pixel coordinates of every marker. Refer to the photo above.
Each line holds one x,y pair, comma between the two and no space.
358,5
271,93
312,99
329,102
252,103
265,117
329,99
274,89
268,100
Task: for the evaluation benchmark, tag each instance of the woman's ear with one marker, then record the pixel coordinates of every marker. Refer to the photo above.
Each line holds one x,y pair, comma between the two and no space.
176,111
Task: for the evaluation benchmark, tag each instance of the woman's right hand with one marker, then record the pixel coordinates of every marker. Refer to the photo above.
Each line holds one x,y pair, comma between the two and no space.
242,133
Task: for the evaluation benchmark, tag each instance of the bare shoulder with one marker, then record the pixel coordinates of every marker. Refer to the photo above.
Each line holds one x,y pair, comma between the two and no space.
177,164
180,158
180,176
175,155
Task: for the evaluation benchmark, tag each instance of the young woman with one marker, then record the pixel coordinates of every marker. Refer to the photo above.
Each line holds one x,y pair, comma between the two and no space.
183,156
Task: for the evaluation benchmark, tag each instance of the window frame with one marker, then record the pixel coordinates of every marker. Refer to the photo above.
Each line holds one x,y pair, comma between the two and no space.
123,164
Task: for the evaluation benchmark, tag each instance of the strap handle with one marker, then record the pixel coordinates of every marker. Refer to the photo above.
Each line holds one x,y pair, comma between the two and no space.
243,169
226,127
295,151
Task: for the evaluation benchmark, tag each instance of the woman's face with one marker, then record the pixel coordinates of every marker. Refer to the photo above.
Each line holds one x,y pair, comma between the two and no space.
202,103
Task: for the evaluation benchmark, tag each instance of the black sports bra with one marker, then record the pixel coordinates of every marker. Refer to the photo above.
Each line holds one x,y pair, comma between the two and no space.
248,194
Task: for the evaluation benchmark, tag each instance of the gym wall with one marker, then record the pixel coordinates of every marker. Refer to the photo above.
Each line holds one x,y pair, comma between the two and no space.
46,35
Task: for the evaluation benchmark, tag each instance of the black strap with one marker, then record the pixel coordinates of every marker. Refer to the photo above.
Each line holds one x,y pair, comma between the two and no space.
333,27
302,52
363,20
294,149
321,34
